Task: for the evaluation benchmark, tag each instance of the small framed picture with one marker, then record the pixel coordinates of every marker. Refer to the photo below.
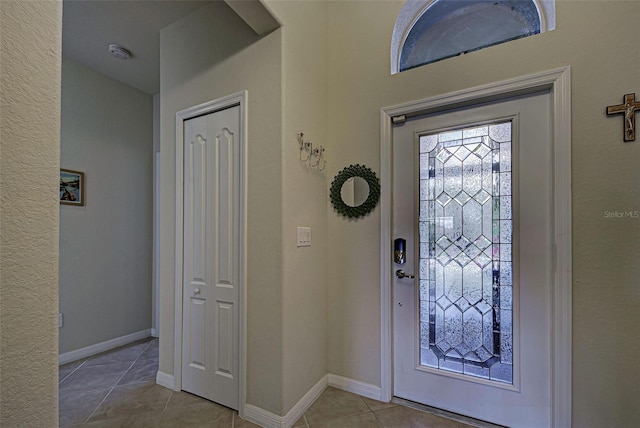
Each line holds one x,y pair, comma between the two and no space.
71,187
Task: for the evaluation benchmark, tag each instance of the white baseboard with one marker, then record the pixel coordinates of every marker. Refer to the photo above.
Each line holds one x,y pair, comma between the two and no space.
166,380
88,351
154,332
356,387
262,417
269,420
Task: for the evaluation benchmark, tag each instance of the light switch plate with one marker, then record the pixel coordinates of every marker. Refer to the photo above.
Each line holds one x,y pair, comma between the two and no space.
304,236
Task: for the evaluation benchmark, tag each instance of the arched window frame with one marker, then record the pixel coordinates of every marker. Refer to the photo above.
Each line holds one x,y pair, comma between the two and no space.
414,9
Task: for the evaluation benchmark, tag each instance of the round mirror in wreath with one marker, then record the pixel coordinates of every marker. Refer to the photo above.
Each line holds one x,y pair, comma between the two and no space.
355,191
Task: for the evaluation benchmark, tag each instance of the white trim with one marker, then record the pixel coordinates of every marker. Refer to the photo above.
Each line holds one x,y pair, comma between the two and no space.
237,99
386,313
409,14
562,292
413,10
155,265
270,420
267,419
155,260
166,380
88,351
262,417
558,81
356,387
547,13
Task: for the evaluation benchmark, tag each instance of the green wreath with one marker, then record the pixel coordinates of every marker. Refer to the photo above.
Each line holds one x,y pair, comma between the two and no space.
336,191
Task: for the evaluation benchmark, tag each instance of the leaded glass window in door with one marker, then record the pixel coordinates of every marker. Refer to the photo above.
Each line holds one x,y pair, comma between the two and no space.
465,260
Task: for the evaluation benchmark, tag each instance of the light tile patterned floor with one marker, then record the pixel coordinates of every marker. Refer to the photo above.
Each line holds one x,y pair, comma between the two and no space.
117,389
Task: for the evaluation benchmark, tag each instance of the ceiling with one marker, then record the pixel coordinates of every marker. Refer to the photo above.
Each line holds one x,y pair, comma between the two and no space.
89,26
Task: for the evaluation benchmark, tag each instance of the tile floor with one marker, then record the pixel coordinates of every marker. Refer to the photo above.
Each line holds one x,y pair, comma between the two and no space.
118,389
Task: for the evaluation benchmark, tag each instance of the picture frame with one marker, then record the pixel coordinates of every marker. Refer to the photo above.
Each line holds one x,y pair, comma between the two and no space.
71,187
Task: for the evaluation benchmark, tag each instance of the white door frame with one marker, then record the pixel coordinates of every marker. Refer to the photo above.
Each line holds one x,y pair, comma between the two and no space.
558,82
237,99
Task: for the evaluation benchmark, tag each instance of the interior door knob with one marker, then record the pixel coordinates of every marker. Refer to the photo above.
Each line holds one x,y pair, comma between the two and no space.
400,274
196,291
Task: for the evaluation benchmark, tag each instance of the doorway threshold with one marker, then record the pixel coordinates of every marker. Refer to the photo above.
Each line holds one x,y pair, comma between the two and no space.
445,414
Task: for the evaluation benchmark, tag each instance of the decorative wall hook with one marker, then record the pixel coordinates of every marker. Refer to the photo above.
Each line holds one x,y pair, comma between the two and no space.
314,156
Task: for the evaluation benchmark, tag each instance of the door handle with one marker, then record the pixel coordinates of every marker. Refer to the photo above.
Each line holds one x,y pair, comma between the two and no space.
196,291
400,274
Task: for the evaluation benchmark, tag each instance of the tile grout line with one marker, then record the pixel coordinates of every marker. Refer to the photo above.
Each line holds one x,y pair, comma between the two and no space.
166,405
376,417
116,384
345,416
72,371
365,403
369,410
164,409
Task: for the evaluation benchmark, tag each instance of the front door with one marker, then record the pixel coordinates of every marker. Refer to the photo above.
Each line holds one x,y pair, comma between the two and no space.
210,314
472,191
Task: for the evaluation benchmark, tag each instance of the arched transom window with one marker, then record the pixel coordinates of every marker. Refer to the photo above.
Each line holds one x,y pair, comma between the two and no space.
431,30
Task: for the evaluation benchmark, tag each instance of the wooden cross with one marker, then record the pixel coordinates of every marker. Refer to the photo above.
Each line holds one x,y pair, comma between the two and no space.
628,107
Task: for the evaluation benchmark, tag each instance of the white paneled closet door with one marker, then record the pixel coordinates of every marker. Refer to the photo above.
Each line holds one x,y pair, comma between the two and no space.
210,359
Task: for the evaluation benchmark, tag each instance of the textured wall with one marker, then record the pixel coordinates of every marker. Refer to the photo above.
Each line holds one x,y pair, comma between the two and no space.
30,46
304,190
599,41
207,55
105,245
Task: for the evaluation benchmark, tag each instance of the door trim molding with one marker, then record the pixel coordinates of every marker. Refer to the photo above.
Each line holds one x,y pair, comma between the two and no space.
237,99
558,82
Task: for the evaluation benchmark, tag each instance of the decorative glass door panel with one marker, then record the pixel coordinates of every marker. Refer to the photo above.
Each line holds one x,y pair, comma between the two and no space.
465,251
471,330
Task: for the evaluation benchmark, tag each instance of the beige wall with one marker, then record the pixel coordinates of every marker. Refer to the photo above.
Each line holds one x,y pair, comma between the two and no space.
599,41
207,55
30,48
105,246
304,193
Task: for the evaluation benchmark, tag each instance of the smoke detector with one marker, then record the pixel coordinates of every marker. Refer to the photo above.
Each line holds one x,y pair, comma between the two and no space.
119,52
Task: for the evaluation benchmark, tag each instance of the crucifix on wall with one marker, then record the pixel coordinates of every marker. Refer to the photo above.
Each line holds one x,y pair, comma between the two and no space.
628,107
